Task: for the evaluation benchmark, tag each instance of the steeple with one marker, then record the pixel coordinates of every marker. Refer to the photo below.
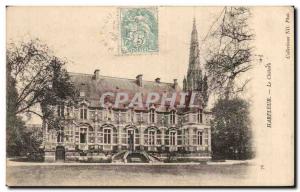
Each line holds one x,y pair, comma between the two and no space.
194,60
194,74
195,82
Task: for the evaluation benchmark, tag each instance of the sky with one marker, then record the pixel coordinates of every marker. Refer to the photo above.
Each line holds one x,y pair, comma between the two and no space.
88,37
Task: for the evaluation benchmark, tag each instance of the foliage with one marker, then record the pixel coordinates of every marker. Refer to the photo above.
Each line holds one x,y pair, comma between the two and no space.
39,78
39,75
18,140
14,136
231,54
231,130
35,77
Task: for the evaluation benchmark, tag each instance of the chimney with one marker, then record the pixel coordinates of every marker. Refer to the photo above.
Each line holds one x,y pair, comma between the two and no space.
175,84
157,80
96,74
139,80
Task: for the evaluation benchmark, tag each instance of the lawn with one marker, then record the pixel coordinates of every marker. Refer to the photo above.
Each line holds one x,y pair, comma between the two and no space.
132,175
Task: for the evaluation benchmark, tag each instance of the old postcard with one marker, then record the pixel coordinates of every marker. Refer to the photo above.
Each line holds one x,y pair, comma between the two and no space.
150,96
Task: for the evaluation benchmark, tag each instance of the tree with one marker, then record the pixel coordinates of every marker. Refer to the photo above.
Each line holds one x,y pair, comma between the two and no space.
39,75
231,54
15,126
231,130
35,77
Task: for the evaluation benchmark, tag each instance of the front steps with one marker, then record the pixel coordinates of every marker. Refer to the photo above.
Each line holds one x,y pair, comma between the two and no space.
119,157
134,157
141,156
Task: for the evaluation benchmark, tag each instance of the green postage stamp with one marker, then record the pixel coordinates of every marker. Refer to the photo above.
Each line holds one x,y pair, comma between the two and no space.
138,30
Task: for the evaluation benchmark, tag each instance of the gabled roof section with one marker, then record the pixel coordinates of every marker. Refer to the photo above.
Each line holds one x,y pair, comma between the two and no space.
95,87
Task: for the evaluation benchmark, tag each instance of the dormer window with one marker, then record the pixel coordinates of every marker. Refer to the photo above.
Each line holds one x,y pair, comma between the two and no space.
152,116
83,112
60,110
200,116
173,117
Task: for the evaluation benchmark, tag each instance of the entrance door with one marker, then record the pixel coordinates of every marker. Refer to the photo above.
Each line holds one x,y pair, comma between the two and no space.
130,137
60,153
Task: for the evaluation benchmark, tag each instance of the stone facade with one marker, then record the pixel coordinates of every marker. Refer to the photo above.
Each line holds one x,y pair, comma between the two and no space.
110,130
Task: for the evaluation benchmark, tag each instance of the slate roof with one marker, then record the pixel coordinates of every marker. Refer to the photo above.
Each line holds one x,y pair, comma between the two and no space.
94,88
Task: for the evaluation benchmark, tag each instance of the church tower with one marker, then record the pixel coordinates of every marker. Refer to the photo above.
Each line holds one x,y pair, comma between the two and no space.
195,81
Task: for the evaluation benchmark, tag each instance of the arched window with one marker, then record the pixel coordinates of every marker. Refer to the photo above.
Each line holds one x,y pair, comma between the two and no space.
200,116
83,112
152,116
173,117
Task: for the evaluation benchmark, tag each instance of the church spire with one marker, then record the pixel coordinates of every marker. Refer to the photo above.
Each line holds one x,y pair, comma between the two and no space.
194,74
194,60
195,82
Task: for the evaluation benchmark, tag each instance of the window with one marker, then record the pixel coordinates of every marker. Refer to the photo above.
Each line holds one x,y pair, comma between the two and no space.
172,138
122,117
152,116
83,132
151,137
130,138
199,137
60,110
83,112
139,117
107,136
82,94
206,138
60,136
172,117
99,115
68,111
67,138
131,115
200,116
109,117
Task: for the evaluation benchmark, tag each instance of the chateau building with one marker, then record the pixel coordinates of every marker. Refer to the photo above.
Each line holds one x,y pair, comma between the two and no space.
94,131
